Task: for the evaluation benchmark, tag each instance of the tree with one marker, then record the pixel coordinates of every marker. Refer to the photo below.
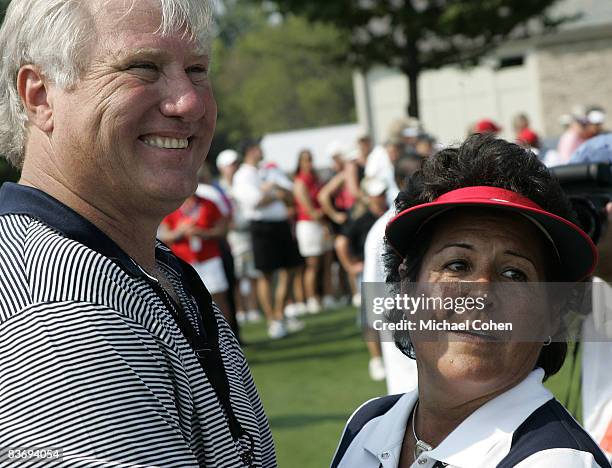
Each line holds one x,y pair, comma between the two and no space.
415,35
285,75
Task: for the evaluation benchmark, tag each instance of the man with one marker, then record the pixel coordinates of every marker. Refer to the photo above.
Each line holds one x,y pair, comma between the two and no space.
263,203
597,327
112,351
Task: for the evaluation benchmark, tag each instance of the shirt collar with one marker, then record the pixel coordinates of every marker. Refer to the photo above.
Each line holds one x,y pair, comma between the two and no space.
24,200
388,434
484,436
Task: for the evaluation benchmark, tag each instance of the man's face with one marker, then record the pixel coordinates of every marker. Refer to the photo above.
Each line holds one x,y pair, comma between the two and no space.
135,129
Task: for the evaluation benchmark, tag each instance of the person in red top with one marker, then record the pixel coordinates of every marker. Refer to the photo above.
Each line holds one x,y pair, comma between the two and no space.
312,232
525,136
192,232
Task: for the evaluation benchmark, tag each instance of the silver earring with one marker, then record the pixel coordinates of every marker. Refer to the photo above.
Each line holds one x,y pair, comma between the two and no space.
548,341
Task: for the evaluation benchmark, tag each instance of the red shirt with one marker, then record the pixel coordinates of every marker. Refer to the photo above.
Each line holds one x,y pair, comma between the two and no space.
204,214
313,186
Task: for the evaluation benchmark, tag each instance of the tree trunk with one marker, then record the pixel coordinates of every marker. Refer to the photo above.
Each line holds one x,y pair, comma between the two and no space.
413,92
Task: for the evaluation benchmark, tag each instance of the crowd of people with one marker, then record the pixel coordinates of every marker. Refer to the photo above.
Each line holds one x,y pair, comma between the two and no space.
292,244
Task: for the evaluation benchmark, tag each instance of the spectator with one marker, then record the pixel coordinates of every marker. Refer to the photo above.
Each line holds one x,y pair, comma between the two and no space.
575,134
525,136
312,232
193,233
486,126
350,247
596,330
354,168
275,250
239,239
594,121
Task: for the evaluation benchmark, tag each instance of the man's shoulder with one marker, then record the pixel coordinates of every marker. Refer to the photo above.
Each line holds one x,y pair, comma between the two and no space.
44,266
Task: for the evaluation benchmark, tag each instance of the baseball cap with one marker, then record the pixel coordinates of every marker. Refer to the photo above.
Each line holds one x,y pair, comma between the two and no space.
226,158
374,187
576,251
596,117
528,136
487,125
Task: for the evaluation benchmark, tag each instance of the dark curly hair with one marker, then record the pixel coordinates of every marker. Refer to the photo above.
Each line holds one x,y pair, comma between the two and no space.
481,160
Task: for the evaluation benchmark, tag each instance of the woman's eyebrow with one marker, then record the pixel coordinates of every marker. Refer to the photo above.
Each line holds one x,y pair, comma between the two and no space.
516,254
461,245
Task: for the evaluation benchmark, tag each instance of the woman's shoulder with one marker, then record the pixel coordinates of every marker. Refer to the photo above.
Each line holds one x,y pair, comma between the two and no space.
356,430
550,433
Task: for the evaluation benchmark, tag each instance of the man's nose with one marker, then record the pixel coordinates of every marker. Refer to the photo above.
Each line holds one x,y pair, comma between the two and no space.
185,99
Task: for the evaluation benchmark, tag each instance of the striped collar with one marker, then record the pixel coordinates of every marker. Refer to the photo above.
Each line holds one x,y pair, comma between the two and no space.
24,200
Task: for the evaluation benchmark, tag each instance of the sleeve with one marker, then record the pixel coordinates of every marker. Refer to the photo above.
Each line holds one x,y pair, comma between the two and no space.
560,458
267,453
170,221
88,381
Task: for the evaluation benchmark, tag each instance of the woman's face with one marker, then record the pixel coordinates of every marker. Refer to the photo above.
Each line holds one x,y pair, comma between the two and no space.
487,251
305,162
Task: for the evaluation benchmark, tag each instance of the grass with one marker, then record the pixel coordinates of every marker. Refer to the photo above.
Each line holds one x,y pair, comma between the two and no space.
312,381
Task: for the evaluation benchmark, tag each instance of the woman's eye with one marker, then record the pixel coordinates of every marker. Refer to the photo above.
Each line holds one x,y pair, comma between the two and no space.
456,266
514,275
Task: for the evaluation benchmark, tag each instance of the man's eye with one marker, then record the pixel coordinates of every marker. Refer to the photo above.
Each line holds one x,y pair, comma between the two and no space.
143,66
457,265
198,71
514,275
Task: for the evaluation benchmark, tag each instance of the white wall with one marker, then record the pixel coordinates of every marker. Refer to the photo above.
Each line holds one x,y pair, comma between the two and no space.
451,99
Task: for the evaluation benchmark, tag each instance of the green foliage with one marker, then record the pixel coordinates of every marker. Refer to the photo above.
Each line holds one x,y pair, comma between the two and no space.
281,76
414,35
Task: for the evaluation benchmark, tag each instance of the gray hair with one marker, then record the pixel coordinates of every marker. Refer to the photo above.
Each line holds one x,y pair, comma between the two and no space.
55,35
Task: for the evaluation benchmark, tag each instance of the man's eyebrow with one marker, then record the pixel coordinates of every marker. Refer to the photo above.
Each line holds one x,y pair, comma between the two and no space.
127,54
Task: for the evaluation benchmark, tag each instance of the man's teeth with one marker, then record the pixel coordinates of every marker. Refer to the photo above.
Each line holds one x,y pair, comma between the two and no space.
166,143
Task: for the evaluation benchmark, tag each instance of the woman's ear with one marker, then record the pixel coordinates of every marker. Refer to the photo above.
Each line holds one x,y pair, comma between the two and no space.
33,90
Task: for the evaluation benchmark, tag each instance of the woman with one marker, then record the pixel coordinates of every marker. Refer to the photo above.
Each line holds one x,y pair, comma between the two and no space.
312,234
193,232
486,215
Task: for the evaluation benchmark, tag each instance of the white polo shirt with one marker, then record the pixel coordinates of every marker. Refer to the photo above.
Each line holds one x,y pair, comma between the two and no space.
247,191
482,440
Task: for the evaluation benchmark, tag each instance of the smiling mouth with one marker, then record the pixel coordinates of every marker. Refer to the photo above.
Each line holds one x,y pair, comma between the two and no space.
166,143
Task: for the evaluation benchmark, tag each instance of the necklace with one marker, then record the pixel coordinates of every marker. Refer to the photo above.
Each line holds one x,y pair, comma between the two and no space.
421,446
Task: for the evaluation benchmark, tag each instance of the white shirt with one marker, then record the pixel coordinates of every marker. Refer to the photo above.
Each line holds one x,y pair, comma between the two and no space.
482,440
247,192
379,166
401,371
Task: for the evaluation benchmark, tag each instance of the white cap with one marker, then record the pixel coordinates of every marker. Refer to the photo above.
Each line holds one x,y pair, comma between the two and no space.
226,158
596,117
409,132
334,148
374,187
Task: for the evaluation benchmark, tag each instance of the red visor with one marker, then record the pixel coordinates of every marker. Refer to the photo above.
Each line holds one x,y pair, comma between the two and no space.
577,252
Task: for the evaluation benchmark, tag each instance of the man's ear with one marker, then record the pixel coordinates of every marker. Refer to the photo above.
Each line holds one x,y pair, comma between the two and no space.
33,90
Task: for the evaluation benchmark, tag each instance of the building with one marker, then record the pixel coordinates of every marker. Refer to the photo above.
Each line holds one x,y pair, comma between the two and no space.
544,76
